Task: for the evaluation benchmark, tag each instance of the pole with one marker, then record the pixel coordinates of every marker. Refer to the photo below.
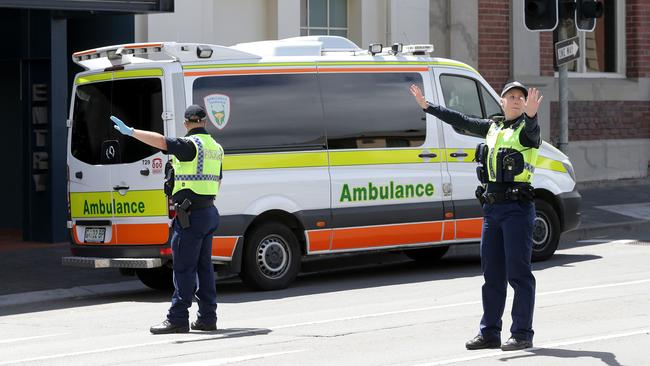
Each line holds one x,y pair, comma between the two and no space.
563,144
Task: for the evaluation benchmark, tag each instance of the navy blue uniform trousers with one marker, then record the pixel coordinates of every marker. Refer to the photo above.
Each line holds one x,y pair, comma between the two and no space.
193,270
506,248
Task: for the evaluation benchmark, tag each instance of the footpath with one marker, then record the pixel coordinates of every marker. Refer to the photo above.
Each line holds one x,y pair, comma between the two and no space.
32,272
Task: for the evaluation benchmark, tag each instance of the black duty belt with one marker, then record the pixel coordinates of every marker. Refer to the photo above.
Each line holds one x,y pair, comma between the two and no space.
201,204
524,193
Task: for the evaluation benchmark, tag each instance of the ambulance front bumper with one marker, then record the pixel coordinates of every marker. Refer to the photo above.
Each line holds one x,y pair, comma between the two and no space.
570,209
95,262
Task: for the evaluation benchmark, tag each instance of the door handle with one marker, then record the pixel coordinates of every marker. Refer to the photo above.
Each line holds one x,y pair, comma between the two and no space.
119,188
428,155
79,175
458,155
144,171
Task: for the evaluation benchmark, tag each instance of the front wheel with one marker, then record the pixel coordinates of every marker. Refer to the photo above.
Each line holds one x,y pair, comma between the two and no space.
271,258
546,231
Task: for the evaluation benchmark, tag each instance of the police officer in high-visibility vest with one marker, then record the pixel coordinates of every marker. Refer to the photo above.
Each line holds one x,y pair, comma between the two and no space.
193,184
506,166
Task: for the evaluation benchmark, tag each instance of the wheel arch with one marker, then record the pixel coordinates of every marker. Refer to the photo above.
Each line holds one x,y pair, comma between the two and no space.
286,218
552,200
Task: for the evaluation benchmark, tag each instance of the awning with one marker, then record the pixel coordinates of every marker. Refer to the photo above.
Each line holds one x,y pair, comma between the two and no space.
119,6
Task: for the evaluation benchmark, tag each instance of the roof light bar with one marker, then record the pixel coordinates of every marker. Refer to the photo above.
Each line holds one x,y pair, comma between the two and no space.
203,51
418,49
396,48
375,48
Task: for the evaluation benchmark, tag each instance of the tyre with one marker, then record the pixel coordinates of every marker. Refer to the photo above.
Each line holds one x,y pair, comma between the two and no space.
546,231
271,257
428,255
161,278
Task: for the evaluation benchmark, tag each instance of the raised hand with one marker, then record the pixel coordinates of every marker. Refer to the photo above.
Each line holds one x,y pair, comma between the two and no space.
121,127
531,104
419,97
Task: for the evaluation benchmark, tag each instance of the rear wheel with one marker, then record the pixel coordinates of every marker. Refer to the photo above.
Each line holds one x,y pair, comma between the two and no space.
546,231
271,258
428,255
161,278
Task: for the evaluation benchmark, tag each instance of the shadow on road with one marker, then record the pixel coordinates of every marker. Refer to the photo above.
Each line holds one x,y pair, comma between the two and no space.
319,276
228,333
607,358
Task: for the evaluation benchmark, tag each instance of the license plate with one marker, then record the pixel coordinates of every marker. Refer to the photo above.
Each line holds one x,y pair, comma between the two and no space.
95,234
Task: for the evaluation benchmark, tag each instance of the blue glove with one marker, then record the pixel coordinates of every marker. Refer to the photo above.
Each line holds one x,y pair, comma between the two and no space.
120,126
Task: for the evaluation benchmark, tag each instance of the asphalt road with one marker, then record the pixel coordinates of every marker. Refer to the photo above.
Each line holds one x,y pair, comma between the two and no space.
592,309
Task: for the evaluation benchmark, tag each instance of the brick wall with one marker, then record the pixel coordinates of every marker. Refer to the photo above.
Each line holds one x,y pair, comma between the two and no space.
494,41
546,53
600,120
637,32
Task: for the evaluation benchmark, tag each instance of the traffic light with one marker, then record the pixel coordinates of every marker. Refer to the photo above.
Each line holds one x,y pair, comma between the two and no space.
540,15
586,13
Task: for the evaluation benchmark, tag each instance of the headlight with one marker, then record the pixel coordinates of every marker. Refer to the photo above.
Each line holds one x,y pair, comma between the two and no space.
569,168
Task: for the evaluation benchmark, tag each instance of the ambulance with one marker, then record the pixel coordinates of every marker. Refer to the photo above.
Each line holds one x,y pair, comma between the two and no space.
326,153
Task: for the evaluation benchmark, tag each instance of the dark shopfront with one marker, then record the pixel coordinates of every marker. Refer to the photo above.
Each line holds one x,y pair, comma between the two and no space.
36,73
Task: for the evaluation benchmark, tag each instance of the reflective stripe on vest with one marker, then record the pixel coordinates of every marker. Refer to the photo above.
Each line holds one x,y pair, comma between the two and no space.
500,137
201,175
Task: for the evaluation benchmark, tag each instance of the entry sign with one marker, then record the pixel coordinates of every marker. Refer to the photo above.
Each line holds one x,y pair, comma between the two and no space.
567,50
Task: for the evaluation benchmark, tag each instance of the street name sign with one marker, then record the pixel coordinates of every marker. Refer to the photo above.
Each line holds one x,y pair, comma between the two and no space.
567,50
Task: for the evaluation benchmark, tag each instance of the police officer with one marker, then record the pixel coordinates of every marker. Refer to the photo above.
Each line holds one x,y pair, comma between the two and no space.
506,168
194,183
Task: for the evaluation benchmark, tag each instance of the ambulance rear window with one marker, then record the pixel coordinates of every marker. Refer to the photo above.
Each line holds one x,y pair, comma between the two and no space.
137,102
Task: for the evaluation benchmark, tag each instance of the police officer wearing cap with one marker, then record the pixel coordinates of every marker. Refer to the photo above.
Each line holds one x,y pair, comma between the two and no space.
193,183
506,166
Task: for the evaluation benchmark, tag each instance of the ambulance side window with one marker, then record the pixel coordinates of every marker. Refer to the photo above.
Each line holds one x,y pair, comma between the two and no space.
260,113
492,108
371,110
468,96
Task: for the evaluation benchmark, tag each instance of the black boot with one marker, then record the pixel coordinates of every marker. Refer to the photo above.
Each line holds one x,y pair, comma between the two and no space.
200,325
479,342
167,327
514,344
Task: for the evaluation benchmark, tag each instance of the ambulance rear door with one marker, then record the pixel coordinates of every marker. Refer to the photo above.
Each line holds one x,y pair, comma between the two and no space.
116,182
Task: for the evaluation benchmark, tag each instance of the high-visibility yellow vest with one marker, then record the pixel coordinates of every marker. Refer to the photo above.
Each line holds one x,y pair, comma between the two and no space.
200,175
501,137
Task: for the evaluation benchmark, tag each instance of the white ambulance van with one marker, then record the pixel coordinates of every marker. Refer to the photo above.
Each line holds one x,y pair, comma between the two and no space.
326,153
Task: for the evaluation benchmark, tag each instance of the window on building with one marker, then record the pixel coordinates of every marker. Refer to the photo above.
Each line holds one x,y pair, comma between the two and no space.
324,17
598,49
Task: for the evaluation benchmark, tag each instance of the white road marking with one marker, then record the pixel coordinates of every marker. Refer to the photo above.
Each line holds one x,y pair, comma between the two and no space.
547,345
30,338
128,346
225,361
325,321
438,307
595,241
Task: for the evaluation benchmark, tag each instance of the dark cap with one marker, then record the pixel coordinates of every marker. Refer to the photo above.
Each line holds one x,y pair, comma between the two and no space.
514,85
195,113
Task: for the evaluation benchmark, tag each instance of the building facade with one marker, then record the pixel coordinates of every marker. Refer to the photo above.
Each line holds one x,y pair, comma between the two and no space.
609,85
36,71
